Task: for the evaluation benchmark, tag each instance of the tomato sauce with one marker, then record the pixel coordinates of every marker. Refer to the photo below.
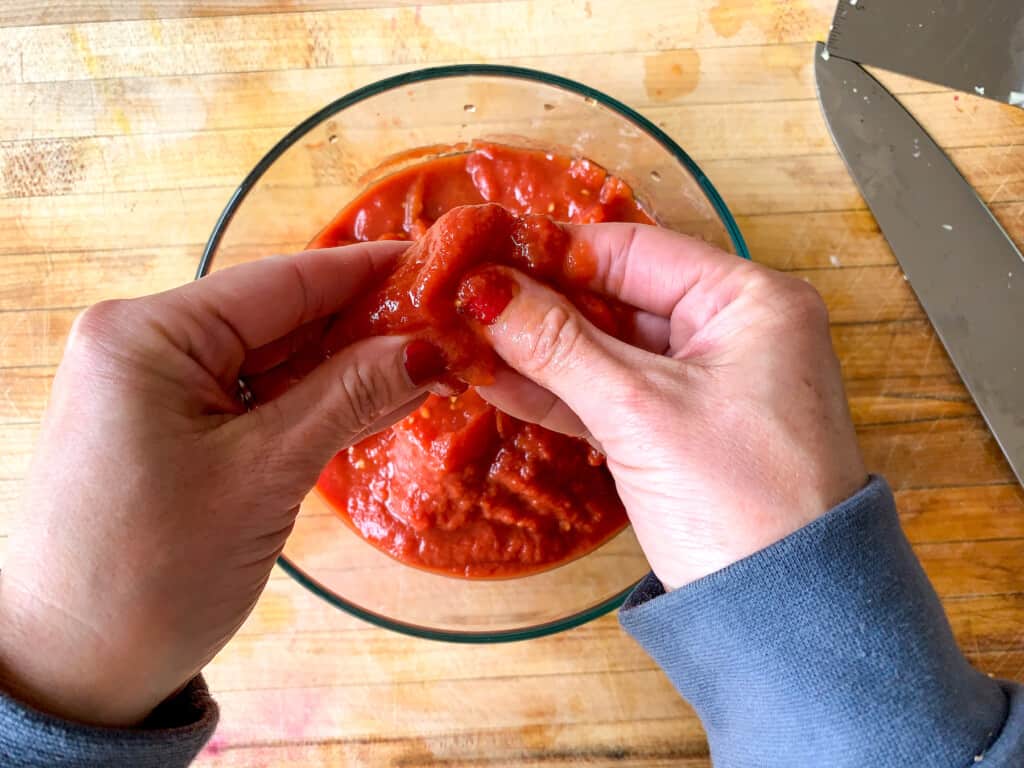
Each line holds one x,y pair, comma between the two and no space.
459,487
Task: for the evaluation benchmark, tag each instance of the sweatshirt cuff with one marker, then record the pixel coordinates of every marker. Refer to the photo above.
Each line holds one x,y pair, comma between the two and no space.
171,736
830,643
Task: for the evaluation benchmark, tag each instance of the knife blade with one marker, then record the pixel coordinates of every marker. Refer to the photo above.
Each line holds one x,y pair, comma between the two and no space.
965,270
972,45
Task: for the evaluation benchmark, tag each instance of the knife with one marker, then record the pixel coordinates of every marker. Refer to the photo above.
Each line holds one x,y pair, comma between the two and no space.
972,45
965,270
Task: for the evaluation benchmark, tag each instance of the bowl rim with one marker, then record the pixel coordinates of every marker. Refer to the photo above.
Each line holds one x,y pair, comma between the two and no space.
440,73
464,70
467,637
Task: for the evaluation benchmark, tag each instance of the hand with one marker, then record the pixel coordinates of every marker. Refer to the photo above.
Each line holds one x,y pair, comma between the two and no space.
728,432
156,505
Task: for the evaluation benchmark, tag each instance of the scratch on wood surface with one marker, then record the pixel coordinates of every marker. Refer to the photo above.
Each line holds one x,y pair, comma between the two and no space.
1016,675
996,665
972,636
15,408
995,195
46,329
394,695
611,682
94,103
930,348
1002,185
5,335
971,114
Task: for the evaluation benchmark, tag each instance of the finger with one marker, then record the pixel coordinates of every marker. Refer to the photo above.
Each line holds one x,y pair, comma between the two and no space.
521,398
650,332
392,418
543,337
269,356
219,318
266,299
269,385
651,268
346,397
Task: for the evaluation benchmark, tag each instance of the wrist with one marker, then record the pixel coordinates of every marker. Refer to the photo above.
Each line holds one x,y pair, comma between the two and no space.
48,665
749,523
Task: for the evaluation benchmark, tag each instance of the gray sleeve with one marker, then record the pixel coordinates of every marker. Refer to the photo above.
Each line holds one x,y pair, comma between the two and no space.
172,736
829,648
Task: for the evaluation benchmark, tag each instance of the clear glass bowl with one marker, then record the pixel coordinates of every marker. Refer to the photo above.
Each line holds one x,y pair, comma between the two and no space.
322,164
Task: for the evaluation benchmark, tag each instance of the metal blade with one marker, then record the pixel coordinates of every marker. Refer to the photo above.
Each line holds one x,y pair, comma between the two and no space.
973,45
965,270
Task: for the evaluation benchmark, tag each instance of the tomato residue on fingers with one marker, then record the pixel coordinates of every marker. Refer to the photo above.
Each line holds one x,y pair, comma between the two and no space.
459,487
484,294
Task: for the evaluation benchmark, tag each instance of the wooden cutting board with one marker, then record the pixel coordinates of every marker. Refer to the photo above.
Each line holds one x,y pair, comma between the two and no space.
124,127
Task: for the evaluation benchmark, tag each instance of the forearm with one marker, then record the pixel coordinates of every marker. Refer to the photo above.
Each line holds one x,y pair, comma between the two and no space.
171,737
828,648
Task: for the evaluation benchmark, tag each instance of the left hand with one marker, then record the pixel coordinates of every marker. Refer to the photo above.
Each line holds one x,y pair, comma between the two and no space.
156,504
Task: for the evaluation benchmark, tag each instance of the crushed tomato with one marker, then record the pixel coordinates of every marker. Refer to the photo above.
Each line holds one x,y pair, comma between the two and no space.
459,487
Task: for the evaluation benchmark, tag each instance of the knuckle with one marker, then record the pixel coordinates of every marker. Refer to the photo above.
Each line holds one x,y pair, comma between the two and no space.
273,418
798,304
98,322
100,336
366,391
554,343
808,304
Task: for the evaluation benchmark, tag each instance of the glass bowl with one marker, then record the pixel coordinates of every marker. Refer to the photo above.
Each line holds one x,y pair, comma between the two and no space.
322,164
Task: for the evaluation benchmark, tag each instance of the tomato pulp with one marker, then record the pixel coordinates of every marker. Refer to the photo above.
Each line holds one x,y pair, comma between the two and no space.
459,487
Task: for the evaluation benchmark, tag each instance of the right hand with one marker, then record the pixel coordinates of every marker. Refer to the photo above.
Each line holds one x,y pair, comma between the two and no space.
726,427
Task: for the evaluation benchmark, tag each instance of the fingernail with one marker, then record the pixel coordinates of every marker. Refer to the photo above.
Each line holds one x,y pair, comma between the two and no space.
424,362
448,386
484,294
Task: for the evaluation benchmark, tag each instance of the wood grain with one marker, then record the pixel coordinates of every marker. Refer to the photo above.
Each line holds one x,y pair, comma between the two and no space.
145,105
125,128
23,13
721,135
307,40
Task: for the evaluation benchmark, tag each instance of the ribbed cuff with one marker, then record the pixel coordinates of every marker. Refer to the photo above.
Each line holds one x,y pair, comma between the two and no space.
828,648
172,736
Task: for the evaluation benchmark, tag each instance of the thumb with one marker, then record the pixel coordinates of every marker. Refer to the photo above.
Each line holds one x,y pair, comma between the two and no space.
359,390
576,370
